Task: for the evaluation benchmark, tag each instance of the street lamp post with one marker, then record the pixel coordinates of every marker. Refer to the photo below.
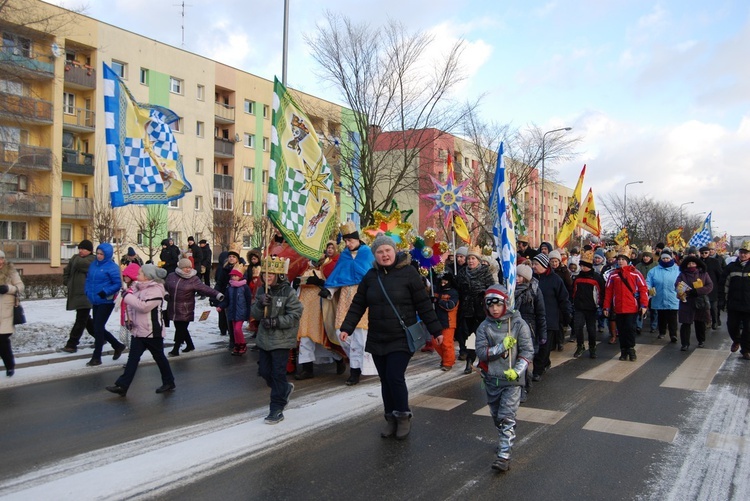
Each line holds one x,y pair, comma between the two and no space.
681,206
541,211
625,201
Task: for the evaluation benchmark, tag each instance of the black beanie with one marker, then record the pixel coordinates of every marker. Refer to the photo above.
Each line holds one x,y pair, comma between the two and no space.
86,244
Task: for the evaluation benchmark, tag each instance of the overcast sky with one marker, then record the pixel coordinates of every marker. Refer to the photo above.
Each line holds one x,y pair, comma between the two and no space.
658,91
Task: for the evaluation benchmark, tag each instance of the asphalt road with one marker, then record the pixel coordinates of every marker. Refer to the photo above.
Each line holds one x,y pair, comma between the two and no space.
448,455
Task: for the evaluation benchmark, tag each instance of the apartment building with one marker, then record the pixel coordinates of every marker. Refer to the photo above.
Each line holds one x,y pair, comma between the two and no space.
432,149
54,189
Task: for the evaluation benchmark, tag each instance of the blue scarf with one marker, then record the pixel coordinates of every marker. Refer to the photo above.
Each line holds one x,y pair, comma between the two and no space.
350,270
668,264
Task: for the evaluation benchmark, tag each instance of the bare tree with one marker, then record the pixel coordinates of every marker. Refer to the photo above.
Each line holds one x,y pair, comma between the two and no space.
231,226
150,224
523,152
400,102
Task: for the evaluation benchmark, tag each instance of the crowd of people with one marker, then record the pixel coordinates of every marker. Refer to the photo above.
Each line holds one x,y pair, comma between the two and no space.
358,304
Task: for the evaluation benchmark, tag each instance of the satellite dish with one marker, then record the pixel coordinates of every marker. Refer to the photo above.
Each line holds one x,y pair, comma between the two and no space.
56,50
236,138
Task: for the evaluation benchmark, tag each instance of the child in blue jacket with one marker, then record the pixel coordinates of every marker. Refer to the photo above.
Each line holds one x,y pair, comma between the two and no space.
236,305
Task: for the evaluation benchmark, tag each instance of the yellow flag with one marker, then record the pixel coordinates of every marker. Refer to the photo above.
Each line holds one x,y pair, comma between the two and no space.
460,227
570,221
588,219
622,238
674,239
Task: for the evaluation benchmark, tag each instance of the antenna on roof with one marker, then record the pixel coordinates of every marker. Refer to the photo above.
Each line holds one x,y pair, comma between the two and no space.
183,5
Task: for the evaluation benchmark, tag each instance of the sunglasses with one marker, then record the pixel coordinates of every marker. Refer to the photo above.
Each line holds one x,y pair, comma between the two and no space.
494,300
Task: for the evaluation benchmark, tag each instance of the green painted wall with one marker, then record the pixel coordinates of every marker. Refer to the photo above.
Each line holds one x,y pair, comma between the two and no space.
158,94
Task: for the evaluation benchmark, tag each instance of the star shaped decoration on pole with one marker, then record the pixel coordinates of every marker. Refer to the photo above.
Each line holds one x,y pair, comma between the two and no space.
448,197
392,225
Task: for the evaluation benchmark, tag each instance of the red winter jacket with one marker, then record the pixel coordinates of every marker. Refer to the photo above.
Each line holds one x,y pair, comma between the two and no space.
622,296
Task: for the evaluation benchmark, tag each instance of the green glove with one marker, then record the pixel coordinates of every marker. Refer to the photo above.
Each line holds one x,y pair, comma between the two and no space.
511,374
509,342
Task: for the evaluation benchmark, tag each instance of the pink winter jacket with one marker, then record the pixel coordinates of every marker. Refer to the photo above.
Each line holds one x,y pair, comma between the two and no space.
144,308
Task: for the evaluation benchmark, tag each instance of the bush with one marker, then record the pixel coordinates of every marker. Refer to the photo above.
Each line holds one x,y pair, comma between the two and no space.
43,286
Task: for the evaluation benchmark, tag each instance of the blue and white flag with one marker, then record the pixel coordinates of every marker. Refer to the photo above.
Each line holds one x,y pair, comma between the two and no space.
143,161
702,237
502,227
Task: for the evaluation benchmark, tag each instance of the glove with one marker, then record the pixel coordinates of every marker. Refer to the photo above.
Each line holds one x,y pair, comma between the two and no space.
296,282
509,342
511,374
220,297
543,341
4,289
315,280
270,323
324,293
266,300
218,308
102,295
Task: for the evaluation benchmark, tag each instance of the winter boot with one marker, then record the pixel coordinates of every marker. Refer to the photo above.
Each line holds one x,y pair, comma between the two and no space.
306,372
501,464
592,350
236,350
623,355
390,427
631,354
579,351
470,357
403,424
353,376
506,430
340,366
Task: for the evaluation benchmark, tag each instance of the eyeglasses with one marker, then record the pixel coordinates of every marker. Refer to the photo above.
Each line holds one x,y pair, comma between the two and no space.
494,300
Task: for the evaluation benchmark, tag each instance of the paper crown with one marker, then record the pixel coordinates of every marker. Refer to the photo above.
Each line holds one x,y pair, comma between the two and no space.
475,251
648,249
745,245
623,251
587,257
348,228
275,265
235,247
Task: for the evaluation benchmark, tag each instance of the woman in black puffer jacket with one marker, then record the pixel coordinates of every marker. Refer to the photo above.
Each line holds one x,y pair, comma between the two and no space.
386,338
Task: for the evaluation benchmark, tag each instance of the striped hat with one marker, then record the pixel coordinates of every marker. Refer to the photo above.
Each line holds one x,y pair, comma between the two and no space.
542,259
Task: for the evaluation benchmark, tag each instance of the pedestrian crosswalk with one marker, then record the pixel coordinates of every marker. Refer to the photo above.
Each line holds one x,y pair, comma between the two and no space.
695,373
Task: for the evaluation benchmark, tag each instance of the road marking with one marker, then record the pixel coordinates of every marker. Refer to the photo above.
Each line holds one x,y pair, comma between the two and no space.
732,443
697,372
530,414
616,370
632,429
437,403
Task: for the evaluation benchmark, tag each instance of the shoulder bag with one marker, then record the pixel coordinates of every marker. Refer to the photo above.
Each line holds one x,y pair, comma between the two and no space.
416,334
19,317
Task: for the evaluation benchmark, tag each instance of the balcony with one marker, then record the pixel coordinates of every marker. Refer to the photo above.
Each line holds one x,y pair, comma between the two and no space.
79,120
22,157
78,76
20,251
18,203
223,148
25,109
27,63
223,113
77,208
75,162
222,182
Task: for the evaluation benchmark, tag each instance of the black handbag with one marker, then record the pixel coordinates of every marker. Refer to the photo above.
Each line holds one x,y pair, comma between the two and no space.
416,334
19,317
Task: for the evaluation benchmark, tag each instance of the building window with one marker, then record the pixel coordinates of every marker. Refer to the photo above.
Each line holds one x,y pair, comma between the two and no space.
247,241
199,166
266,143
199,203
249,107
176,125
250,140
200,92
174,204
121,69
265,177
12,230
69,103
176,236
247,207
139,239
200,128
266,111
16,45
66,233
144,76
175,85
264,208
249,173
118,236
223,200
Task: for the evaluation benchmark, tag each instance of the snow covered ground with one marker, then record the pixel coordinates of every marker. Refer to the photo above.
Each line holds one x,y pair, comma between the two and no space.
38,342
